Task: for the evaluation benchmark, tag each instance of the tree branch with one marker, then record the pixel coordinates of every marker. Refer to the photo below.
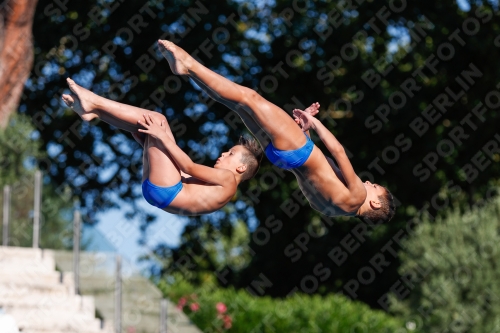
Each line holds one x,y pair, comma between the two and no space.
16,52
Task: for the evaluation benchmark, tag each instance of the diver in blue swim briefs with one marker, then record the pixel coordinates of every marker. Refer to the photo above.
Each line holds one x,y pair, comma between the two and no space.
171,180
332,190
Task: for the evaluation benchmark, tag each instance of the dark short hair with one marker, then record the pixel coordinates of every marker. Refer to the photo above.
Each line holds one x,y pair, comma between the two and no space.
252,157
386,211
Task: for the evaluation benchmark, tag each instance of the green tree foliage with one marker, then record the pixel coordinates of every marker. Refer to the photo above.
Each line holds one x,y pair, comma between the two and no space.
298,313
451,270
211,249
19,149
378,68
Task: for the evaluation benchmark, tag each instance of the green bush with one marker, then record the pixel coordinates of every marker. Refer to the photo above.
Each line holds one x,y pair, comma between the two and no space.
453,263
297,313
19,151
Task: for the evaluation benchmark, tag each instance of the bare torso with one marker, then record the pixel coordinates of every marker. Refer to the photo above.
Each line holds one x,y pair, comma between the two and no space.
322,187
198,197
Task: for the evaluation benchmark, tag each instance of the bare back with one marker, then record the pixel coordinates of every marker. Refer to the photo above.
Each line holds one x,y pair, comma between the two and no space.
198,197
323,188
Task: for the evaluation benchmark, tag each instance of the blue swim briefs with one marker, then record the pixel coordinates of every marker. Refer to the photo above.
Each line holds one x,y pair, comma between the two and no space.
289,159
159,196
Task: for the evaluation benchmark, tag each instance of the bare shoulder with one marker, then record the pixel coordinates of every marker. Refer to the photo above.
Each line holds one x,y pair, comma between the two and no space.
228,176
346,198
357,195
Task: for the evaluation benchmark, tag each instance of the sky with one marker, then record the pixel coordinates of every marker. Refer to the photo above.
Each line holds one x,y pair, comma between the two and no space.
115,232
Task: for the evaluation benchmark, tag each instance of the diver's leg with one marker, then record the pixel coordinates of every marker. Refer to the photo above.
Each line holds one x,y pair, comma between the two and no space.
89,106
278,125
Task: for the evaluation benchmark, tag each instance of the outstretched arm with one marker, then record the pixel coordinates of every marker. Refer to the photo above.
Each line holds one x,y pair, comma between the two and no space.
352,180
185,164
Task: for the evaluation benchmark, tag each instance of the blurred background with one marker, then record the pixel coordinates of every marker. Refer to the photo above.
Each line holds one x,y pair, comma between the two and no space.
410,88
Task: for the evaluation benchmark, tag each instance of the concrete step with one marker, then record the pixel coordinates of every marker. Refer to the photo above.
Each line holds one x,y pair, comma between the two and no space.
21,266
25,293
50,315
81,330
48,319
29,277
42,300
107,328
7,324
62,303
14,288
35,278
22,253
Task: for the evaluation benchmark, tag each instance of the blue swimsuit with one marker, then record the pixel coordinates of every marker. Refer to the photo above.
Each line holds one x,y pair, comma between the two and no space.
289,159
159,196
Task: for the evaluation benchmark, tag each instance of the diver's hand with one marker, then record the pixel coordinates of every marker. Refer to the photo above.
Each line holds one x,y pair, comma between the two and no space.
311,110
304,120
152,128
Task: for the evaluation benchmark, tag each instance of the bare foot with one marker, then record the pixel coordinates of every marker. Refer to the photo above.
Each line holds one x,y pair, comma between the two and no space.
81,101
178,59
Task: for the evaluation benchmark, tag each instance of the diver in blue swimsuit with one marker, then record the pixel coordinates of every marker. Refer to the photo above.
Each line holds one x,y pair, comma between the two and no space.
171,180
332,190
200,189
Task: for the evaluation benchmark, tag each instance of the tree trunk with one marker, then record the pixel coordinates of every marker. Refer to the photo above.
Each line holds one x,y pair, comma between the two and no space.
16,52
